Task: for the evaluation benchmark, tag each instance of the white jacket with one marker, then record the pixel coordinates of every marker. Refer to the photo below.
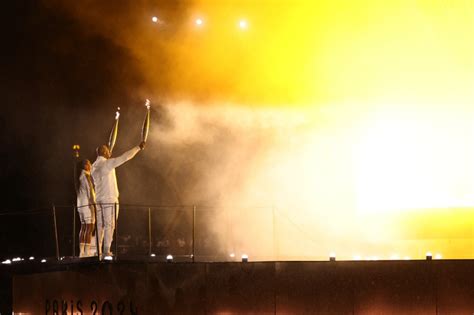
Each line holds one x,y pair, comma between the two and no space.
85,193
105,180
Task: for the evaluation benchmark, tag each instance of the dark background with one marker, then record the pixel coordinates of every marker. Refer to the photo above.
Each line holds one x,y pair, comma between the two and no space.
60,85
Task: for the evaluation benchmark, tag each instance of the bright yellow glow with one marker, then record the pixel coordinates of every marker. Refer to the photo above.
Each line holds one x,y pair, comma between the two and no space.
243,24
366,107
413,158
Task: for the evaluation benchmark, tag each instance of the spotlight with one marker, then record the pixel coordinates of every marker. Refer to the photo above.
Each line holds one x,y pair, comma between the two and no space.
243,24
429,256
16,259
7,262
43,261
245,258
438,256
169,258
152,255
32,258
332,256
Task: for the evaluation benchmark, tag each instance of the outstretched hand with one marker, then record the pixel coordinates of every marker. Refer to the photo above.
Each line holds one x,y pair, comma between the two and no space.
142,145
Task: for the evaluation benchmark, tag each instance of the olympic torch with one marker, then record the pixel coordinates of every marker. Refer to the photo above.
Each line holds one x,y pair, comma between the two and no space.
146,122
114,131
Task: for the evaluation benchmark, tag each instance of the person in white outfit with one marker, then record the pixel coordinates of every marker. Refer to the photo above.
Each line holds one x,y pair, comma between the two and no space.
85,207
107,194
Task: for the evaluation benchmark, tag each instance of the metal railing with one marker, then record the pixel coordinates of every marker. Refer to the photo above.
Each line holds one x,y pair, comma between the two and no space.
141,231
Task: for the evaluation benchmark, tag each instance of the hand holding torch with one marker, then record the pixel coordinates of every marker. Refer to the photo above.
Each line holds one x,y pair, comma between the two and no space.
146,122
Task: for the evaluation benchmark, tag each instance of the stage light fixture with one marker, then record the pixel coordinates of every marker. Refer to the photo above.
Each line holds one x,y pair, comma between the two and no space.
7,262
16,259
245,258
32,258
152,255
243,24
429,256
43,261
438,256
332,256
169,258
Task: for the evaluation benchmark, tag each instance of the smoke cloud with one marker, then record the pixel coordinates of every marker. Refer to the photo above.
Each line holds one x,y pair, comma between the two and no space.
274,125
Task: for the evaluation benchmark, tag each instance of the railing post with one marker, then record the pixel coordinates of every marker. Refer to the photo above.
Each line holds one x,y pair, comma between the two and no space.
97,249
56,232
74,231
116,230
149,232
194,231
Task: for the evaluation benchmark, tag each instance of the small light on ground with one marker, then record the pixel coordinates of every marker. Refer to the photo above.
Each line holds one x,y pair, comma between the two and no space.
429,256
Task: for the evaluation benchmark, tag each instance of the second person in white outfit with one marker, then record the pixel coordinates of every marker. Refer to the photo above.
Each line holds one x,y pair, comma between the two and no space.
107,194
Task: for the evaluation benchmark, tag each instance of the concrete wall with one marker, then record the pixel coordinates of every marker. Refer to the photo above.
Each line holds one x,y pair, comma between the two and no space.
384,287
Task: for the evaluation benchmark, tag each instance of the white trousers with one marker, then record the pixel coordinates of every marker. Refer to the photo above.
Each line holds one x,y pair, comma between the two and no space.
106,225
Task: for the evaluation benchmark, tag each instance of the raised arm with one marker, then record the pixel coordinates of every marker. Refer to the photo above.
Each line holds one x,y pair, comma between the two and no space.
128,155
